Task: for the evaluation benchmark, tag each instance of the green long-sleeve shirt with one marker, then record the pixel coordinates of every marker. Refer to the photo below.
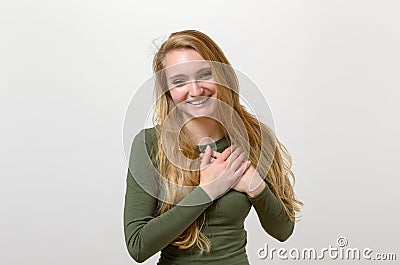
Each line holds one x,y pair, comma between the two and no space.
146,234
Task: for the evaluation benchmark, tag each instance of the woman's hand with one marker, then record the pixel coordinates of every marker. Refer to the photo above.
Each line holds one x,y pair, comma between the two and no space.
220,171
251,182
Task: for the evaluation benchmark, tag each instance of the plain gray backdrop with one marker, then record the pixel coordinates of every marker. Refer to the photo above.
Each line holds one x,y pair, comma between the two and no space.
329,70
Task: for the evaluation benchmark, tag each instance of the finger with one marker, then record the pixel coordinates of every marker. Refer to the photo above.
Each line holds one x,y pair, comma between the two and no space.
227,152
248,164
205,160
238,161
214,154
240,171
235,154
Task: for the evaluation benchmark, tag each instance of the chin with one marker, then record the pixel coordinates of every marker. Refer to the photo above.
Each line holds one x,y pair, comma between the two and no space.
197,114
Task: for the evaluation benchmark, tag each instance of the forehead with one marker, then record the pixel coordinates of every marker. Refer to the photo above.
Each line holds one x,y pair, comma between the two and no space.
184,62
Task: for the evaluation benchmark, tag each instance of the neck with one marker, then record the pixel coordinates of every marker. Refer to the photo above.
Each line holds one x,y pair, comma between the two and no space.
204,130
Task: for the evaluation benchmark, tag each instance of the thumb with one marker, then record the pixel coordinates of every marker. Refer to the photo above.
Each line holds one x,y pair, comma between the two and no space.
205,159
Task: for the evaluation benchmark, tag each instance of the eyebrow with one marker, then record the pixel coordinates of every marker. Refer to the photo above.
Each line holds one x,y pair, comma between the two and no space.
180,75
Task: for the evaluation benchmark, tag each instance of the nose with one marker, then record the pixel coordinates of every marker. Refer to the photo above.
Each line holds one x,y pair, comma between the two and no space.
195,89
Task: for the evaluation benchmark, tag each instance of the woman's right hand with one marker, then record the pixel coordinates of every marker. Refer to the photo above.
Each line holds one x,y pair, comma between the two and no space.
219,174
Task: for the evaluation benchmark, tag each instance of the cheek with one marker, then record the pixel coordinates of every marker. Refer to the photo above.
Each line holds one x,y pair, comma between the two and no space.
211,87
178,95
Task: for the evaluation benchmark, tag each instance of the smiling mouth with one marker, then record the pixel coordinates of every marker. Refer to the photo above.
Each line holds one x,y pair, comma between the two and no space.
200,101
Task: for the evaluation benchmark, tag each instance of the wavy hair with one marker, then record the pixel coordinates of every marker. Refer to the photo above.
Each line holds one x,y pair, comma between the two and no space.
265,151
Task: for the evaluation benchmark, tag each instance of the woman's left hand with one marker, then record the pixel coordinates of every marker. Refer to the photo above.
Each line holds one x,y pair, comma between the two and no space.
251,182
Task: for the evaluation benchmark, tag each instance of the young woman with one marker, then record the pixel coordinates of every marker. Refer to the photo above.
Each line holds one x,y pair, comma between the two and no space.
195,175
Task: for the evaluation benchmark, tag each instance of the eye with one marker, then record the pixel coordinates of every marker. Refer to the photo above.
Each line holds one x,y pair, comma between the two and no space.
178,82
206,75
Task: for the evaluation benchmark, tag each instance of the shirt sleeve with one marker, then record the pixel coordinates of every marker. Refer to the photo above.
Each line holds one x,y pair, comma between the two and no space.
146,234
272,215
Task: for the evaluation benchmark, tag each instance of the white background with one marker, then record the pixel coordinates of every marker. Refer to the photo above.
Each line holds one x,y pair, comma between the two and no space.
329,70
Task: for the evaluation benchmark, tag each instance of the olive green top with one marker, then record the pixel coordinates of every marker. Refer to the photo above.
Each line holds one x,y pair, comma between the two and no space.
147,233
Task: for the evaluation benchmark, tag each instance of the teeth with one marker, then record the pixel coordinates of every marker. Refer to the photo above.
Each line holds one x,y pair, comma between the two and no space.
197,102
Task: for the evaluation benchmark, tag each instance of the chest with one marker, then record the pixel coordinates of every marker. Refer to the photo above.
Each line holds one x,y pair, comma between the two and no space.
229,210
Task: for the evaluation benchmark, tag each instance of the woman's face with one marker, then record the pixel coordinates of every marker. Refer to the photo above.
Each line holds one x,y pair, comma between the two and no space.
190,82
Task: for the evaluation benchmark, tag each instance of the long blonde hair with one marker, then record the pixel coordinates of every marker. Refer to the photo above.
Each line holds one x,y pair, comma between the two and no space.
270,156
